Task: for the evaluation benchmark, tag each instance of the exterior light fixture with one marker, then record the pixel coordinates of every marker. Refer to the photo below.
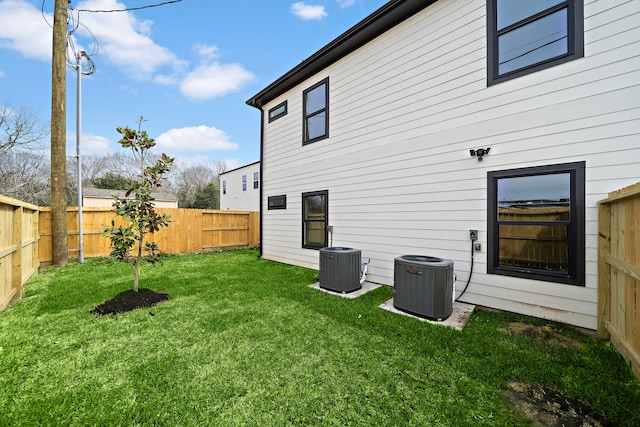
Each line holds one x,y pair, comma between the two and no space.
480,152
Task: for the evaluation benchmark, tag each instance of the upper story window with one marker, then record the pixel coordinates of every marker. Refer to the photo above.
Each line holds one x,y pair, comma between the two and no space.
278,111
256,181
536,223
316,112
224,186
244,182
528,36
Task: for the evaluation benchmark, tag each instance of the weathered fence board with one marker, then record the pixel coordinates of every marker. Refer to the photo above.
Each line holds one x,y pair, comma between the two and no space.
619,272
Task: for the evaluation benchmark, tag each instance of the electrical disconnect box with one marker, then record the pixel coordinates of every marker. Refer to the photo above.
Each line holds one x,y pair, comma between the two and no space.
473,234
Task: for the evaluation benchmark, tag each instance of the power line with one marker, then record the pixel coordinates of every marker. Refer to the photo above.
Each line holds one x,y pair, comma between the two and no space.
129,8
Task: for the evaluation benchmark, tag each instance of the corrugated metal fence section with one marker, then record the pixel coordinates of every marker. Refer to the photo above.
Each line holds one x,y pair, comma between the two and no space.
619,272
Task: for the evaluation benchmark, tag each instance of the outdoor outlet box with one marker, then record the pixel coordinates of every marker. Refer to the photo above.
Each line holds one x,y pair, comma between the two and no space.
330,228
477,247
473,234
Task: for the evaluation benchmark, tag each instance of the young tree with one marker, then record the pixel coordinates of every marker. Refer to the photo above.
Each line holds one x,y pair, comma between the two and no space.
137,206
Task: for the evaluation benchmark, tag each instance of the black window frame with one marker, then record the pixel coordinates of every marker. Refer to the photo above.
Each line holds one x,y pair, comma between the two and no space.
324,193
575,34
273,117
256,180
307,115
575,226
278,202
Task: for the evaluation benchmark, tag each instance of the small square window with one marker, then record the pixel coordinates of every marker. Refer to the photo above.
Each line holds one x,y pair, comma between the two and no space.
277,202
278,111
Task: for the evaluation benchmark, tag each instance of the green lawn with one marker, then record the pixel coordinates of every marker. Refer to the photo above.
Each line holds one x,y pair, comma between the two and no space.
245,341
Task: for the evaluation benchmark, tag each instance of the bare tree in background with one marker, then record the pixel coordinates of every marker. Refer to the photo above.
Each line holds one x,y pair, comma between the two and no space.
24,175
20,129
193,182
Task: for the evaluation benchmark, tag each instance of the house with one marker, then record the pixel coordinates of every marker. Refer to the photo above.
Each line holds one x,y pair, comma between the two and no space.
96,197
432,119
240,188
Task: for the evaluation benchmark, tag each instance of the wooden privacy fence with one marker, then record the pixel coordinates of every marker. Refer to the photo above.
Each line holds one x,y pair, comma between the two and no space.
619,272
18,247
190,230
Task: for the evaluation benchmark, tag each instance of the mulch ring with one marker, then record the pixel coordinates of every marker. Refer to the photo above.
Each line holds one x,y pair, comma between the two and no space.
130,300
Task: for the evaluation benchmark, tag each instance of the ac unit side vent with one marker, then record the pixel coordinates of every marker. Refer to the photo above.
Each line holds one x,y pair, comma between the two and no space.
423,286
340,269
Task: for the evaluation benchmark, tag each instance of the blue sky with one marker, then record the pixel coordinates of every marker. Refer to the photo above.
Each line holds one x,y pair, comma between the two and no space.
188,67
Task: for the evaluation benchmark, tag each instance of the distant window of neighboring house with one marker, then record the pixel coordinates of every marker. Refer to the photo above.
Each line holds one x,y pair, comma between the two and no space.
316,112
278,111
256,181
315,207
528,36
277,202
224,186
244,182
536,223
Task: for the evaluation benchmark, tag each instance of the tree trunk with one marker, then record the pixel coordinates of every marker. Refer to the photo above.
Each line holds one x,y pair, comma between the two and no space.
136,271
59,245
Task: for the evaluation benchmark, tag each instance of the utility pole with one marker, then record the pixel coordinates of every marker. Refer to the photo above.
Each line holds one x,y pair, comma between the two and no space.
59,240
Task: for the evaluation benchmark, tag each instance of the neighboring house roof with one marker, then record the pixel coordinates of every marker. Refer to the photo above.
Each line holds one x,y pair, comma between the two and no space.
388,16
241,167
99,193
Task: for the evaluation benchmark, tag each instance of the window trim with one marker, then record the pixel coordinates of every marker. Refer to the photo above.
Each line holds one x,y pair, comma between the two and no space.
575,34
224,186
244,182
256,180
575,230
324,193
306,116
273,118
277,202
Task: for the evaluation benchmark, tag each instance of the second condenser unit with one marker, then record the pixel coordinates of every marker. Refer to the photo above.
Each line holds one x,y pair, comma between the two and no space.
340,269
423,285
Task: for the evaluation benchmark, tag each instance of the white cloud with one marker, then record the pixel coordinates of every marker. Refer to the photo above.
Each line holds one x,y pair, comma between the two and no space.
191,141
308,11
24,30
346,3
126,41
213,80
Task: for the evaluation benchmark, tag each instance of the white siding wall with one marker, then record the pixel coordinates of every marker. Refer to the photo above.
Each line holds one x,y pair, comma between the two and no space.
404,111
236,199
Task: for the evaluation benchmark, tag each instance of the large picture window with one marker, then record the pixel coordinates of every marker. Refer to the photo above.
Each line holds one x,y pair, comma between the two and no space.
527,36
316,112
315,207
536,223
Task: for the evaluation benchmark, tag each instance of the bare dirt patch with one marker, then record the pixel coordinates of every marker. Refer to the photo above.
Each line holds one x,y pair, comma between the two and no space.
130,300
549,408
542,333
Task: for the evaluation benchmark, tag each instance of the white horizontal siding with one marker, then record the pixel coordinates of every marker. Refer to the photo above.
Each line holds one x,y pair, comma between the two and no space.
236,199
404,111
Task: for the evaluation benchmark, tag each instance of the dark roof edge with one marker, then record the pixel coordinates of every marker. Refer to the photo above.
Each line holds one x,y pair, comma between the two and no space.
240,167
380,21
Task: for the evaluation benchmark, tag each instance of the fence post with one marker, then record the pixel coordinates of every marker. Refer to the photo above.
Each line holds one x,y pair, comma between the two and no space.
16,259
604,269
